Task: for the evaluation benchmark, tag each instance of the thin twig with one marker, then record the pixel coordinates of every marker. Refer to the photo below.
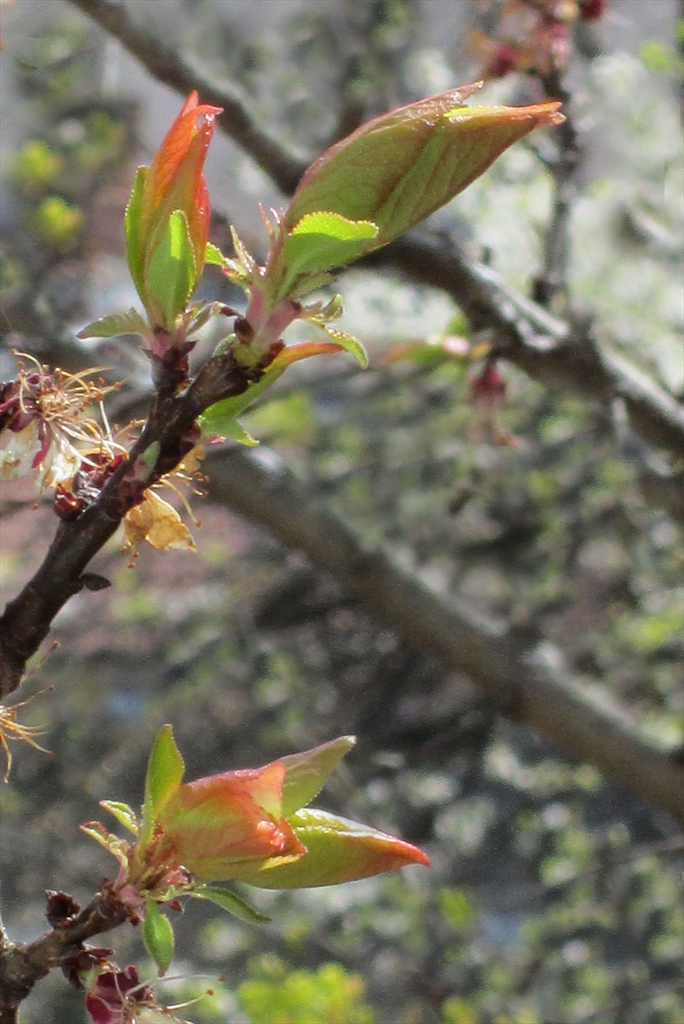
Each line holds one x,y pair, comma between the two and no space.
27,619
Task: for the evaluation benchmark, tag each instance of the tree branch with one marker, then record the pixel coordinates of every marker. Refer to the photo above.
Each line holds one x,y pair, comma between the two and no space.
26,620
532,684
22,965
238,120
553,280
546,349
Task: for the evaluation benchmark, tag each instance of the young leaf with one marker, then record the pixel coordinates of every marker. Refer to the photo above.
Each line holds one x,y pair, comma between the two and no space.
402,166
123,814
214,256
337,850
130,322
170,276
158,937
231,902
219,419
348,342
118,848
308,772
164,773
321,241
133,221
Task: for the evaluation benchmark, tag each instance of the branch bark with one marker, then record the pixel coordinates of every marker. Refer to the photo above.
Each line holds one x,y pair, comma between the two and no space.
531,683
22,965
26,619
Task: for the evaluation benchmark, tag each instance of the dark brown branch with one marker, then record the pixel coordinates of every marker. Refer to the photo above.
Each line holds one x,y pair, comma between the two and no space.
546,349
22,965
533,684
27,619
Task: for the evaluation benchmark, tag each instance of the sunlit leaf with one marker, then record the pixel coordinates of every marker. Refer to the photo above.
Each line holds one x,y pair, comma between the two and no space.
231,902
323,240
123,814
306,773
164,773
130,322
170,275
402,166
158,936
337,850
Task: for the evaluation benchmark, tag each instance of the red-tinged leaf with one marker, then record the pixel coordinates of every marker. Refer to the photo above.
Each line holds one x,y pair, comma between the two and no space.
174,182
216,824
337,850
172,153
399,168
308,772
304,350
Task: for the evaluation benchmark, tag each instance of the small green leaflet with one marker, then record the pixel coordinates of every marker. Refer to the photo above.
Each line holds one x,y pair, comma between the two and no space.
158,936
321,241
231,902
130,322
164,773
123,814
220,419
214,256
171,275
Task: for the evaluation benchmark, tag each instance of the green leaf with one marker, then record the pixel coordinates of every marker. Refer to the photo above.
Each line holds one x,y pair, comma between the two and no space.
308,772
323,240
135,244
123,814
397,169
219,418
349,343
337,850
214,256
113,844
171,274
164,773
231,902
158,937
130,322
236,432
